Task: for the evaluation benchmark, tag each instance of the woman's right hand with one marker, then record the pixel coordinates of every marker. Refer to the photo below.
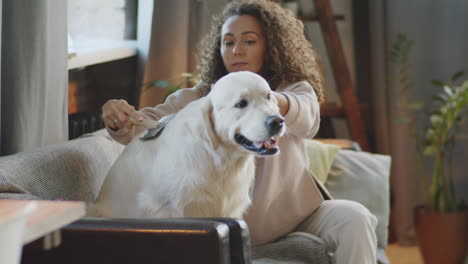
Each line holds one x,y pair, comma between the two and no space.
116,114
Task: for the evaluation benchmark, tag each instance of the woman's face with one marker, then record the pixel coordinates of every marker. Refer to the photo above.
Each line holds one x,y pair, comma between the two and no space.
243,46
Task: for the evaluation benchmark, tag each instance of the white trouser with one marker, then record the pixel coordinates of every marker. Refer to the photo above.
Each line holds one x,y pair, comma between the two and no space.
348,230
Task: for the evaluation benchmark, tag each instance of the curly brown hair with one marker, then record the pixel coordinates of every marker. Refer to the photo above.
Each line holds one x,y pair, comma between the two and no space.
290,56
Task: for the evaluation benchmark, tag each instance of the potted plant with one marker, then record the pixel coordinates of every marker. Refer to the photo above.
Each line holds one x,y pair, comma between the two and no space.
442,222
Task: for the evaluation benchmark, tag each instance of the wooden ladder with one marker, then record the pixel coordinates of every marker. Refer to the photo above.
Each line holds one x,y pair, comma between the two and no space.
350,109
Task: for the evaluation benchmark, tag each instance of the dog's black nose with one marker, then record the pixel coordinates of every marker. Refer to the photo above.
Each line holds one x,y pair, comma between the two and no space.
274,124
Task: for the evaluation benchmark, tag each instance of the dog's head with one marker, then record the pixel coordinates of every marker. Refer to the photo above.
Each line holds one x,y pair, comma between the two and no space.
246,114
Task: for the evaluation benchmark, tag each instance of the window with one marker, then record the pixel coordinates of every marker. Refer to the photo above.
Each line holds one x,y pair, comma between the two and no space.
91,19
102,63
99,31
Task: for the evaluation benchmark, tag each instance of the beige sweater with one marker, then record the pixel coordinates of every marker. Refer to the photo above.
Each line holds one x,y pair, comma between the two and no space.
285,191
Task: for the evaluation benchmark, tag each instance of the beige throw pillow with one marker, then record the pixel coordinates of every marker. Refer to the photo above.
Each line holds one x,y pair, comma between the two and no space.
321,156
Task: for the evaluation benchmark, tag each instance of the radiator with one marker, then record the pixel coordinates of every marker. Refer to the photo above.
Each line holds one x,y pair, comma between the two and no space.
84,122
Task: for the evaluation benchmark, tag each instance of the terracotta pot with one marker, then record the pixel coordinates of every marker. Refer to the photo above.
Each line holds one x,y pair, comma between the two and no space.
442,237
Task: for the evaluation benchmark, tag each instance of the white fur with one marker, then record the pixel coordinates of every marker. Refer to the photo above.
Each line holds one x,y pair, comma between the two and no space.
195,168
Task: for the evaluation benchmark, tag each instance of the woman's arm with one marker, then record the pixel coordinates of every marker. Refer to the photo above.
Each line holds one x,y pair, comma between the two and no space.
173,104
283,103
301,109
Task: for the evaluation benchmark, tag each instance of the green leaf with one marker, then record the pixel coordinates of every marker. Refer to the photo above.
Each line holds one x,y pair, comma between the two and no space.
457,75
438,83
400,49
157,83
440,97
161,83
448,91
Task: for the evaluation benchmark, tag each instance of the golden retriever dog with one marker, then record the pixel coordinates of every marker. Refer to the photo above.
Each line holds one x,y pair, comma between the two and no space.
202,164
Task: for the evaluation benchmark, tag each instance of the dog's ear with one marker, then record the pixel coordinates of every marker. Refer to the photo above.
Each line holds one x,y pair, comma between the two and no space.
209,131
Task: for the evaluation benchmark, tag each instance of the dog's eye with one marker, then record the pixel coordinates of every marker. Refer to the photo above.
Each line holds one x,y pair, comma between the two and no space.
243,103
268,97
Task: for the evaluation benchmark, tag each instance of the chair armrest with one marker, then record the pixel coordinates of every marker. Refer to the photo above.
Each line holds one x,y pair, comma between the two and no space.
104,240
239,238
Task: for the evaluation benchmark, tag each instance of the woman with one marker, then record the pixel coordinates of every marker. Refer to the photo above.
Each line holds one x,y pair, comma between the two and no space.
262,37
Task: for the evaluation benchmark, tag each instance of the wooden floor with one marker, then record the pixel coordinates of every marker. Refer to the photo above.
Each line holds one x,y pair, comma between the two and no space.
404,255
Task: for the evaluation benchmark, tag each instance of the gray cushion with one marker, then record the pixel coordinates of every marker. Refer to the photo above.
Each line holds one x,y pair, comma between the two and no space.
363,177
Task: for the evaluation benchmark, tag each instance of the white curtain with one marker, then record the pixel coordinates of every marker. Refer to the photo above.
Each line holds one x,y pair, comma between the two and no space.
175,31
34,74
439,33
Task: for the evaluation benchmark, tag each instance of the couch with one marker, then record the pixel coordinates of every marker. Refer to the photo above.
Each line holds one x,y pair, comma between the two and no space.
75,170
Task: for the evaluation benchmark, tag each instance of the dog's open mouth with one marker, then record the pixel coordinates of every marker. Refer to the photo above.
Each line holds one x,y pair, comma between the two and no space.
267,147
